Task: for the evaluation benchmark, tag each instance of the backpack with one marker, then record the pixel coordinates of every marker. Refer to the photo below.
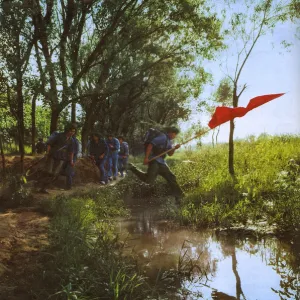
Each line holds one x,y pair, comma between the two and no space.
52,136
149,136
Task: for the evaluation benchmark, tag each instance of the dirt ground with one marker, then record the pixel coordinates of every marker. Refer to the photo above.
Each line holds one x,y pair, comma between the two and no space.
23,234
85,170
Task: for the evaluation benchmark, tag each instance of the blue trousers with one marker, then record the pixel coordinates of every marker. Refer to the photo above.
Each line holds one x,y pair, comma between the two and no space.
123,165
113,164
69,173
103,173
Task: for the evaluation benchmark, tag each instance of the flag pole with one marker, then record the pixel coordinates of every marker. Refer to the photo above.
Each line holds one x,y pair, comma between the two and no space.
185,142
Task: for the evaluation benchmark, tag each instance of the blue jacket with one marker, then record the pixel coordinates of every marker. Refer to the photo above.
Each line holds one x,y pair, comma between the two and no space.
113,145
160,144
124,149
61,147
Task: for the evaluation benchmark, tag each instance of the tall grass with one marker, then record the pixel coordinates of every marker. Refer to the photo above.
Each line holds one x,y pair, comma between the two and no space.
87,256
213,198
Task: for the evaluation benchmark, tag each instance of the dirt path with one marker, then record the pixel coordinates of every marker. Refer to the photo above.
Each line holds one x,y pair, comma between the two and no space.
23,237
23,234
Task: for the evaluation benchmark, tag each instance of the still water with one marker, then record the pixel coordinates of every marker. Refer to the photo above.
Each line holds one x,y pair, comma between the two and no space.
189,264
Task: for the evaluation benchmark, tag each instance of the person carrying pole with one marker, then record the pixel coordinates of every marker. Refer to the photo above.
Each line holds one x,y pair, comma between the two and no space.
156,143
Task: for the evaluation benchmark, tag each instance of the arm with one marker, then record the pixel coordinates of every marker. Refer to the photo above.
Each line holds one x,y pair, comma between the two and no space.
173,151
126,150
117,145
148,152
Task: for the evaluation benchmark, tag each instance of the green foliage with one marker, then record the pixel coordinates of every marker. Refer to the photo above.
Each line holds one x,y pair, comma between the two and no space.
87,257
265,186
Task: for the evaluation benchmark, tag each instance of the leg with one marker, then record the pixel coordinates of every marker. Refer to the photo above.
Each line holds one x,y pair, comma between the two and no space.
103,173
109,165
115,163
150,176
125,163
120,166
166,173
69,172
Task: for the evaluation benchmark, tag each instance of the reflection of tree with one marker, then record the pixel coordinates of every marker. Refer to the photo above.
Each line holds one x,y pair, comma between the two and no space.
228,246
239,291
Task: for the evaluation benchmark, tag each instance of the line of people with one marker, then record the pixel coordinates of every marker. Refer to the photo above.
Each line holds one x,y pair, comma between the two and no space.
110,155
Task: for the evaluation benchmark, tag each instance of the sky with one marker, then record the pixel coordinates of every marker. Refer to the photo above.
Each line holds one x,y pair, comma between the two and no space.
269,70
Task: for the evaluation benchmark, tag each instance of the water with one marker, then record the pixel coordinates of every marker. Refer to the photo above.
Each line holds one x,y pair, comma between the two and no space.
189,264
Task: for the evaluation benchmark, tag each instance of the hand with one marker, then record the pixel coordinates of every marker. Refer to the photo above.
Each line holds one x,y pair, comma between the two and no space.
177,146
124,156
146,161
72,163
101,156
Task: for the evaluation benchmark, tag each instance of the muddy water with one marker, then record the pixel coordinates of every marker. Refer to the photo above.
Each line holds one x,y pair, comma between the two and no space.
188,264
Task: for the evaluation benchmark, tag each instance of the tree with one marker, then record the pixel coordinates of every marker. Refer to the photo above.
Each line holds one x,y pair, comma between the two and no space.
222,96
79,41
246,28
17,41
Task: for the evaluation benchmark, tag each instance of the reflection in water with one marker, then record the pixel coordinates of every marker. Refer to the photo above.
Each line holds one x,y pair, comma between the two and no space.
202,264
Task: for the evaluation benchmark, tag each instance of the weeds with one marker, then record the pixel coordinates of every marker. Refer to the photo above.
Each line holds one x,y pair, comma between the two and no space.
267,171
88,261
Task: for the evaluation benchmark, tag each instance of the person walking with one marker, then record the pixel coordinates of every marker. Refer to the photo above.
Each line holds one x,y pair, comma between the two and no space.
154,147
114,148
123,156
98,152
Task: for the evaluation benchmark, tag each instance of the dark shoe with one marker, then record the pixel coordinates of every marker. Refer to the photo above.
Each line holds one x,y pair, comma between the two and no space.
110,178
114,178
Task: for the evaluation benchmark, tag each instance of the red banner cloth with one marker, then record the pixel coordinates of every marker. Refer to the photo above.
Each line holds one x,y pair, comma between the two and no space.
224,114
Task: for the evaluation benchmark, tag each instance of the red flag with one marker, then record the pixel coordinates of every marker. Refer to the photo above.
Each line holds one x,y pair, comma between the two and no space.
224,114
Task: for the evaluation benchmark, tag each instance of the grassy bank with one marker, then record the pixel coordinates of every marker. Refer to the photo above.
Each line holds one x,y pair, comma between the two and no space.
86,260
267,185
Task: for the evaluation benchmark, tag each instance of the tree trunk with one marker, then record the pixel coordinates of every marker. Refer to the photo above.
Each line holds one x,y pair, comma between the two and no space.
235,100
33,127
213,138
217,135
20,114
87,128
73,113
54,119
3,158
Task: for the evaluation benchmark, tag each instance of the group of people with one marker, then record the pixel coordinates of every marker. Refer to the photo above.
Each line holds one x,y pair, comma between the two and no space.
110,155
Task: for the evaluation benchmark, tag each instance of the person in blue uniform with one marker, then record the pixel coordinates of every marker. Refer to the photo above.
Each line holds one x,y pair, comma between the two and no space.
114,148
159,166
60,157
123,156
98,151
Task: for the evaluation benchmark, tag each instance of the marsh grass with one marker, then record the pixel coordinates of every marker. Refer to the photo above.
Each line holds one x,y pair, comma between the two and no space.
267,185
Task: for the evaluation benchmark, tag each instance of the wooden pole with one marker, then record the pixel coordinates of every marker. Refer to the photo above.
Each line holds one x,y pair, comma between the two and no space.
185,142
